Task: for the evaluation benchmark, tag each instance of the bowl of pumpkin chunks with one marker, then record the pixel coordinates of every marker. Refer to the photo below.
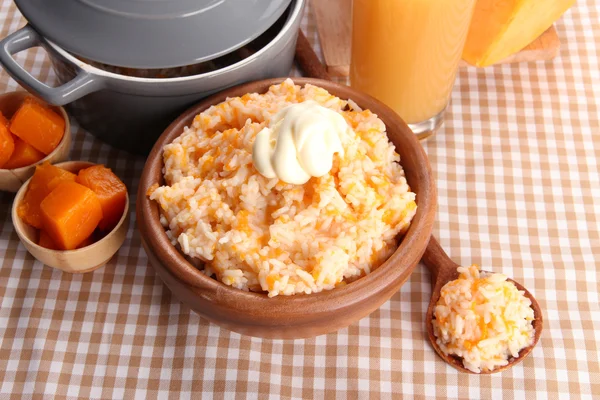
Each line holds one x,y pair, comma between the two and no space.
73,216
31,132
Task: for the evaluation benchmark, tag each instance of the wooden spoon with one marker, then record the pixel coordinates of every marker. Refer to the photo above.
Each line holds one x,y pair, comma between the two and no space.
443,270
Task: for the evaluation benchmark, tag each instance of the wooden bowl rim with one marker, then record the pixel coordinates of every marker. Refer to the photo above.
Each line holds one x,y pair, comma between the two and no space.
60,144
412,245
17,221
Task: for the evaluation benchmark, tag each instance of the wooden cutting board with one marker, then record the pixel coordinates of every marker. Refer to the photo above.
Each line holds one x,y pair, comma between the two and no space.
334,24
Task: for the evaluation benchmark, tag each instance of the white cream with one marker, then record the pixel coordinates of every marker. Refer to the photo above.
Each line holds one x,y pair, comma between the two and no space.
299,143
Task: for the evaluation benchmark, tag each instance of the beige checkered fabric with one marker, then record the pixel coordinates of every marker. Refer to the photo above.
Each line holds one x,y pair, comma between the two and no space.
519,192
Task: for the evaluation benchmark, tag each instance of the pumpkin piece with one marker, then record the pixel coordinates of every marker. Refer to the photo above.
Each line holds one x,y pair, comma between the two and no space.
111,192
23,155
46,241
7,145
4,120
500,28
70,214
44,180
38,125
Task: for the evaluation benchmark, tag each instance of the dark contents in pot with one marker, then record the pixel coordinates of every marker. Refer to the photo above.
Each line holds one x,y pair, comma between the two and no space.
200,68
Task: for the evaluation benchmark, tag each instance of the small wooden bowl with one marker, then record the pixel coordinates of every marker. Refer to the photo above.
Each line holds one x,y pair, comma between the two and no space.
298,316
81,260
11,180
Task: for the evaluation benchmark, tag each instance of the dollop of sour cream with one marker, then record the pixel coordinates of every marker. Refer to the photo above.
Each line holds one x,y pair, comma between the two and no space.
299,143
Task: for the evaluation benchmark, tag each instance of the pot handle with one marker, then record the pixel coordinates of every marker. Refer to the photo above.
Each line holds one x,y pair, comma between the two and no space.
25,38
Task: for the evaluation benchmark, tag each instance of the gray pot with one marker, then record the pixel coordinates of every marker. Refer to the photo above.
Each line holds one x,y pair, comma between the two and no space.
130,112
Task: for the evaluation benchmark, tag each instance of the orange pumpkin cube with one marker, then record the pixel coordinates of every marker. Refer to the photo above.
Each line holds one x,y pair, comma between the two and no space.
44,180
70,214
46,241
7,145
23,155
38,125
111,192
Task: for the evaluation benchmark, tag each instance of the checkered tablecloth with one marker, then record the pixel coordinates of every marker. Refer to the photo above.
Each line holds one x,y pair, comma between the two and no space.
519,192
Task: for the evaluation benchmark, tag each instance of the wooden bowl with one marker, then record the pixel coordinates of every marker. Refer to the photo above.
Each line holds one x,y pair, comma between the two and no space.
81,260
298,316
11,180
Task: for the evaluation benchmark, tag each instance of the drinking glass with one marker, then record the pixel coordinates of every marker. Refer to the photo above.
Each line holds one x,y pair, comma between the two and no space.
405,53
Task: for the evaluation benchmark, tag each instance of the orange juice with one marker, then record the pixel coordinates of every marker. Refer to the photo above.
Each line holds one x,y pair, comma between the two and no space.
406,52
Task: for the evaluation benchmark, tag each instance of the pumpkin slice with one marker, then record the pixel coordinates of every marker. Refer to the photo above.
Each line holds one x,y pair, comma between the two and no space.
23,155
70,214
44,180
7,145
500,28
111,192
38,125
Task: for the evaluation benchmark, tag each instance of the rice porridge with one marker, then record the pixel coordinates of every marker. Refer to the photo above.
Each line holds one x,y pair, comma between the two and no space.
263,234
483,318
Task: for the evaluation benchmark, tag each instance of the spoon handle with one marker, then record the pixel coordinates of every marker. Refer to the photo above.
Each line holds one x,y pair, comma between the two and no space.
441,267
308,60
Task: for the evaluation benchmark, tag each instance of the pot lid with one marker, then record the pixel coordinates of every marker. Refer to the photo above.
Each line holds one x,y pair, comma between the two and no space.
151,33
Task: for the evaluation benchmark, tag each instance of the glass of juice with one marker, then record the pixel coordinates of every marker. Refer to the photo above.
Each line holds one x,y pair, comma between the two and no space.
405,53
